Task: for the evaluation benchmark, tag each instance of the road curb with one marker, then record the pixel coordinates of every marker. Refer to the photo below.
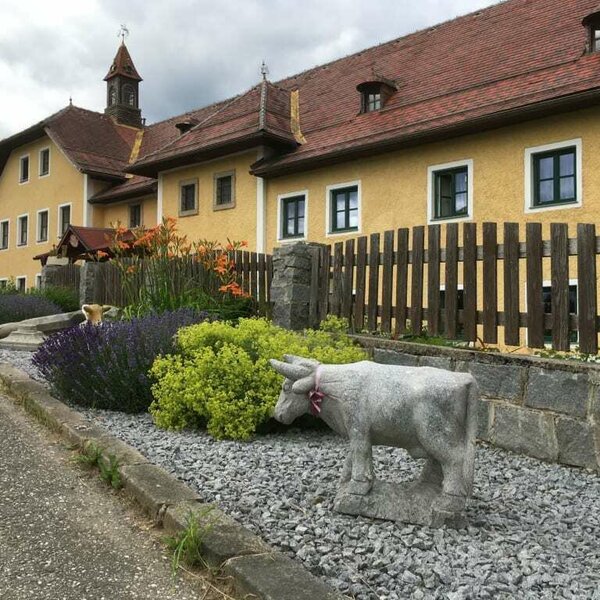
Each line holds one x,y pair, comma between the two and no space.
258,571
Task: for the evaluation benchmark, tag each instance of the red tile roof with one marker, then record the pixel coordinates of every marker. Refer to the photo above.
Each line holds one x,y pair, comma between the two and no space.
134,187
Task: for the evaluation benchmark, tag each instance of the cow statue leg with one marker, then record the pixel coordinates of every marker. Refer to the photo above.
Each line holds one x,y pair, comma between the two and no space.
361,457
347,469
454,488
432,473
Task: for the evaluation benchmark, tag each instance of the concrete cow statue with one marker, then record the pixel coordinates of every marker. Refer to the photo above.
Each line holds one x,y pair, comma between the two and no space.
432,413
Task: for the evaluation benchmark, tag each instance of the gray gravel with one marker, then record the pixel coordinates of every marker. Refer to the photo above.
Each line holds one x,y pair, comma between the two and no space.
534,527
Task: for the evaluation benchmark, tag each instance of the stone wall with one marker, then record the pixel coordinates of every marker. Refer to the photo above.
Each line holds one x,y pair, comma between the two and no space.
548,409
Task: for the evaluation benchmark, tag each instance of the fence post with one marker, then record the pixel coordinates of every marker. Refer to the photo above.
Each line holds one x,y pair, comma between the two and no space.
90,283
291,290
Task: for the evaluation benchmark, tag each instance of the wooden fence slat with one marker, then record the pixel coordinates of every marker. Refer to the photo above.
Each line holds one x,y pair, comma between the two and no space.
361,283
586,288
535,303
511,284
315,276
325,281
560,286
416,303
373,300
433,280
401,280
337,282
269,261
451,281
490,283
254,276
387,281
246,271
470,280
348,296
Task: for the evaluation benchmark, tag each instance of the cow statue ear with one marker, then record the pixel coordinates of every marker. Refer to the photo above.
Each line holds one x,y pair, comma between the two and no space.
85,309
106,308
305,385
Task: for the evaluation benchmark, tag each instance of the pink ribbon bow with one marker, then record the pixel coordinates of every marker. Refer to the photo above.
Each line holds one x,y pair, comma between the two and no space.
316,396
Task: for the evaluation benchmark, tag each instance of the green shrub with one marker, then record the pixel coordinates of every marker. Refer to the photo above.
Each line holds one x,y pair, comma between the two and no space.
221,378
66,298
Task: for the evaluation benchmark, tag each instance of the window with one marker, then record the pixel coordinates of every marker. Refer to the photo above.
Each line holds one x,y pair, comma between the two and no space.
547,301
293,215
3,284
38,281
4,225
42,226
188,198
371,101
21,283
344,209
64,218
24,170
595,46
22,230
112,95
135,216
374,94
224,196
450,191
553,176
129,95
44,162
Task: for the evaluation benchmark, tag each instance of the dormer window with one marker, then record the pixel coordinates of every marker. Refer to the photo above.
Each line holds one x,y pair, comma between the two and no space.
592,23
373,95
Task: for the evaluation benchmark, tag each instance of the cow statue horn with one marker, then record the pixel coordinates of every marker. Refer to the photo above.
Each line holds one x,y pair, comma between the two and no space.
291,371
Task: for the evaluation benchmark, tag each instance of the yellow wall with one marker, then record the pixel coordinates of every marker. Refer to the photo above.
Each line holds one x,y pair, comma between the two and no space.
104,216
238,223
63,185
394,185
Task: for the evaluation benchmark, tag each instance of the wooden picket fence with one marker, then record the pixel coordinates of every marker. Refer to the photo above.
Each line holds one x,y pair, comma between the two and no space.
67,277
396,287
254,274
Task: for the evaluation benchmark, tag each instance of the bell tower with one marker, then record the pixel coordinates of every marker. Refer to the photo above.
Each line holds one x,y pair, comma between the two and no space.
122,88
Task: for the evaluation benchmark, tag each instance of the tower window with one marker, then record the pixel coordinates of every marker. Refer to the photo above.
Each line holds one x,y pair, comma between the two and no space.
129,95
112,95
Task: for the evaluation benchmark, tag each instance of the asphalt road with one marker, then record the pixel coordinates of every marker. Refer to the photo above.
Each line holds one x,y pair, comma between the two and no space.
64,535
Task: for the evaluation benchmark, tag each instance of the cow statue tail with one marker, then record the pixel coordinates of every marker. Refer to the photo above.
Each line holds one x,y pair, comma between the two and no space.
470,436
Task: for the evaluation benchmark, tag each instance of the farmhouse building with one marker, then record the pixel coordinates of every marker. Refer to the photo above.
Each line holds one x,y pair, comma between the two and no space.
493,116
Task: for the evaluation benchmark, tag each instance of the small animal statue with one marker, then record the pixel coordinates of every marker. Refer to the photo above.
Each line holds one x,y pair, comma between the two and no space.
93,313
432,413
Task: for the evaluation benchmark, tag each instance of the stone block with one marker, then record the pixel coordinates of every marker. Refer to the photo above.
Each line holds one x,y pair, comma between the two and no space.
390,357
525,432
496,381
154,488
25,337
438,362
276,577
559,391
576,443
485,416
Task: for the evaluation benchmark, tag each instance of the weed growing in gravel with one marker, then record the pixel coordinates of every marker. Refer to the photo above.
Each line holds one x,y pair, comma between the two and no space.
90,456
186,544
109,472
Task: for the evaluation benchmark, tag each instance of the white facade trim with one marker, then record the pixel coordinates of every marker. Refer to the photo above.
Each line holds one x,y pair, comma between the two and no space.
19,218
7,237
280,198
40,175
337,186
37,226
59,220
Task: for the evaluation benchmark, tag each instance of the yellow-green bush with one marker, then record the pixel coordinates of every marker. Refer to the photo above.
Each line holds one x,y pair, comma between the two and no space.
221,377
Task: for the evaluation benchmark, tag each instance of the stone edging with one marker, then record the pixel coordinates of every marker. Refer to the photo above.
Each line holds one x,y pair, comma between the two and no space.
257,570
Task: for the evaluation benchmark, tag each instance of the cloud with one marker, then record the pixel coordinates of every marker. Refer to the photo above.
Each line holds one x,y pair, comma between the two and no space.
189,52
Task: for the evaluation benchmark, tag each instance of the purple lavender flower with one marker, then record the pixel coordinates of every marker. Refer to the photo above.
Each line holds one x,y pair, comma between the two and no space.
106,366
17,307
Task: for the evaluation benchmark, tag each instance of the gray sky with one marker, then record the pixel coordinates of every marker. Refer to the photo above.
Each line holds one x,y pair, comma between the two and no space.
189,52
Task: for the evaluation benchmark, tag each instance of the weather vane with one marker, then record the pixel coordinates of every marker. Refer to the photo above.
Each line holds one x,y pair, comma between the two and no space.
264,70
123,33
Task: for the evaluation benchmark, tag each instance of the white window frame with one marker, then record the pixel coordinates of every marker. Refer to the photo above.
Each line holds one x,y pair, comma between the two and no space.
7,237
21,277
59,231
38,281
280,199
21,180
3,280
529,183
337,186
431,171
37,227
40,174
19,230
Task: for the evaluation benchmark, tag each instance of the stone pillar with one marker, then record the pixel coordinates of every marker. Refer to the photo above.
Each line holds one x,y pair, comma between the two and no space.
291,285
90,283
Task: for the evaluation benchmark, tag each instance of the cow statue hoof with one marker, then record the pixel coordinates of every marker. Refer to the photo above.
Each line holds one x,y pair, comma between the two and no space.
430,412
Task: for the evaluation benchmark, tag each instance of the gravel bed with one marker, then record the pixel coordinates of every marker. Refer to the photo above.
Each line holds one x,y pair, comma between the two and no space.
534,527
21,360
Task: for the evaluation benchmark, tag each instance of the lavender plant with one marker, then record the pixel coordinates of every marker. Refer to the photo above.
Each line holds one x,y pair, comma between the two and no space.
17,307
107,366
